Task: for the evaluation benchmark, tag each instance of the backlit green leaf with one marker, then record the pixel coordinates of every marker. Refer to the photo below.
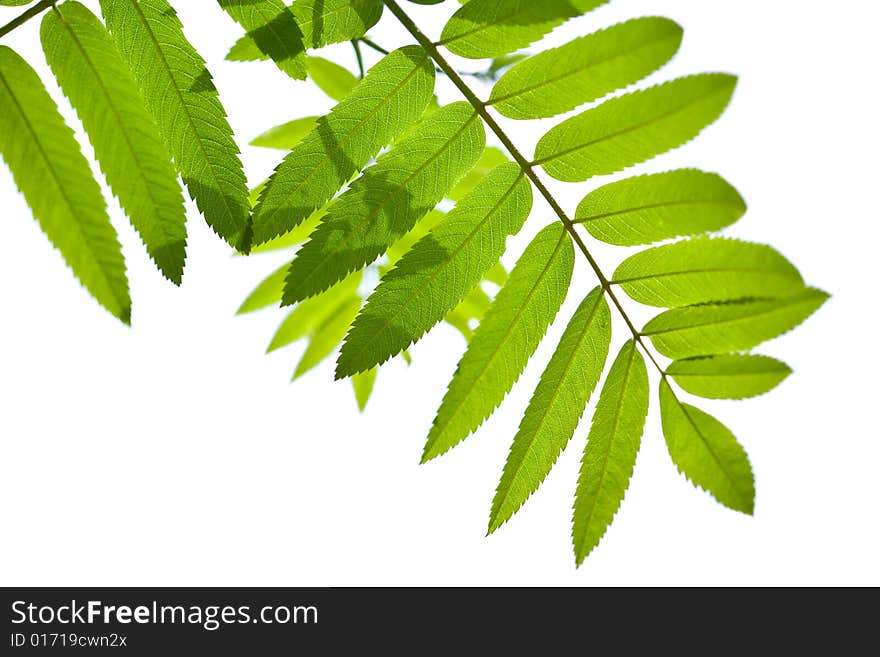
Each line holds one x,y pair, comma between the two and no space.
735,376
57,184
126,140
556,406
651,208
723,328
388,199
334,80
612,446
706,269
706,452
287,135
633,128
560,79
391,97
274,31
437,273
505,340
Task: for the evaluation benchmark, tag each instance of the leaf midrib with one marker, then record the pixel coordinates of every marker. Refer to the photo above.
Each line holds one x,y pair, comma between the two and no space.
705,270
654,206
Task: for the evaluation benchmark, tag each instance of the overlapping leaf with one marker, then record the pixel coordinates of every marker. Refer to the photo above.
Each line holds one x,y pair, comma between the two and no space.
181,96
556,406
560,79
651,208
612,446
388,199
57,184
272,28
125,137
505,340
633,128
439,271
392,96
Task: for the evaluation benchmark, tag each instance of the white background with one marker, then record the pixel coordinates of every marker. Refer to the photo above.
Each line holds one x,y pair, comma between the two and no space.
176,453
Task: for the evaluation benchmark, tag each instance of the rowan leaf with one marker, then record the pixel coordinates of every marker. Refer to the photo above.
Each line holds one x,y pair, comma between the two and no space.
181,96
391,97
334,80
491,28
656,207
559,79
388,199
287,135
491,158
125,137
57,183
267,293
363,384
722,328
505,340
633,128
272,28
707,453
706,269
439,271
734,376
612,446
556,406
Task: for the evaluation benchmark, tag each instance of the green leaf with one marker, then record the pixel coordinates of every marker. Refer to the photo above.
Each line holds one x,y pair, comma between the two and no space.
651,208
334,80
439,271
15,3
612,446
490,159
633,128
560,79
707,453
332,21
328,334
306,318
273,29
505,340
287,135
181,96
391,97
388,199
491,28
735,376
57,184
267,293
706,269
719,329
471,310
402,246
363,385
124,135
556,406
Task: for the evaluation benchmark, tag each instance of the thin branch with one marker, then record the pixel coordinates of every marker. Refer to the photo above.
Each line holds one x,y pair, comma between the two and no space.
482,75
25,16
359,57
525,164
